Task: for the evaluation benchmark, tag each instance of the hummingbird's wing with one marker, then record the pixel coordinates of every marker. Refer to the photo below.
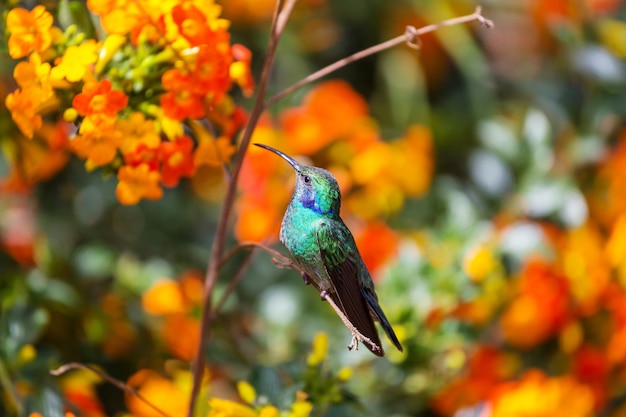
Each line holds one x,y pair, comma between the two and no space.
338,255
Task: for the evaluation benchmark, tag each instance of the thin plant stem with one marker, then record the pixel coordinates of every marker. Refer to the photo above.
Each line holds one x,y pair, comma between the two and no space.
410,36
281,14
121,385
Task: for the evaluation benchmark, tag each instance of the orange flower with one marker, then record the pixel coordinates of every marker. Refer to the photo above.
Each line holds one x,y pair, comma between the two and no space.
98,98
330,111
177,160
586,267
30,31
164,297
214,152
37,162
33,74
487,367
23,106
180,102
136,183
98,147
136,130
540,310
211,75
192,25
144,155
377,244
170,396
182,347
536,395
119,16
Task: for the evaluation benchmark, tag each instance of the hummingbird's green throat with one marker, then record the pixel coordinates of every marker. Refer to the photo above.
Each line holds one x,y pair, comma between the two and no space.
322,246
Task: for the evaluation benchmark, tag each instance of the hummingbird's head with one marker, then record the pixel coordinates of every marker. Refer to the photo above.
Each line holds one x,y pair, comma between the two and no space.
316,188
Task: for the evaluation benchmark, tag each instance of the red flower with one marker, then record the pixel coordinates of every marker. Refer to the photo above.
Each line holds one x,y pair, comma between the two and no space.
99,98
180,101
177,161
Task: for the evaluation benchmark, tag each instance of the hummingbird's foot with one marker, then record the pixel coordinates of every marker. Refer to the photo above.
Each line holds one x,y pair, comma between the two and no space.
324,294
306,278
354,343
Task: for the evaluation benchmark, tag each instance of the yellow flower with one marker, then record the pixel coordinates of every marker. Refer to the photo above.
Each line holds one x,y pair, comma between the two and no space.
246,392
227,408
268,411
320,349
76,62
30,31
301,408
479,263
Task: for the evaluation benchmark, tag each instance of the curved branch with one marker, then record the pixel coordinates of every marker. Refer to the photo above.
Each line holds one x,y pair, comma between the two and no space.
121,385
410,36
278,22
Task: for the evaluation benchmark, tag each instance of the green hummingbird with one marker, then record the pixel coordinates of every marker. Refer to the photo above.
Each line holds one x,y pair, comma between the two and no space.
323,247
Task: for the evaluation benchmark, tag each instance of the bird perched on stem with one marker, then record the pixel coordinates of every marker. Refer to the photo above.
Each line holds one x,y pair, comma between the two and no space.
323,247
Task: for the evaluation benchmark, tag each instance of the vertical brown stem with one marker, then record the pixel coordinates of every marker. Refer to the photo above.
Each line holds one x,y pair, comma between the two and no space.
281,15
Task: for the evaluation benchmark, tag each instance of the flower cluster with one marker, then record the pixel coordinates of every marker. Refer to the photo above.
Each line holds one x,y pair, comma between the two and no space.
563,304
107,88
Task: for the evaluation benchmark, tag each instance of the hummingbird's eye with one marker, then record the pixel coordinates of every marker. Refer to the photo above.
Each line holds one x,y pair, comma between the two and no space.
307,179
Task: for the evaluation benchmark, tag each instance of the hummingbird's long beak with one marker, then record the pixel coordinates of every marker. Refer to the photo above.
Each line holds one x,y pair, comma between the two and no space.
287,158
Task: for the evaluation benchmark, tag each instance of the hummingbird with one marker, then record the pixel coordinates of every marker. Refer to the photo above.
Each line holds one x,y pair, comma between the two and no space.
324,248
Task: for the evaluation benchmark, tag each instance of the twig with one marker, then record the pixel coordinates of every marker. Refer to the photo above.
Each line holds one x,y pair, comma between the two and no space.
286,262
232,284
121,385
410,36
355,333
278,21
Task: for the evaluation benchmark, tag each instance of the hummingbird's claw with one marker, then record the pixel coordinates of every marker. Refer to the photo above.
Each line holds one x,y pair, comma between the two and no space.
323,294
354,343
306,278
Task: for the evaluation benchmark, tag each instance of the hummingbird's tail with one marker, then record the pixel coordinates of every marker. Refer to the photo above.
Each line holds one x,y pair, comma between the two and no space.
357,312
382,319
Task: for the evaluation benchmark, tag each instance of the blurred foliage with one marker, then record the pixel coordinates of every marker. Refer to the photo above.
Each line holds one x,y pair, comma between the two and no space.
482,177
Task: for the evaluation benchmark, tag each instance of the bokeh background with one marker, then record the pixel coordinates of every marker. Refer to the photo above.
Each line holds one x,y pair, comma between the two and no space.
483,177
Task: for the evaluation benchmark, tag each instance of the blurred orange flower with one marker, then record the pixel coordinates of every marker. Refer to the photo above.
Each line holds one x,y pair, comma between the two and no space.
30,30
536,395
137,130
540,308
34,74
586,268
214,152
24,108
377,244
330,111
171,396
136,183
98,147
486,368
